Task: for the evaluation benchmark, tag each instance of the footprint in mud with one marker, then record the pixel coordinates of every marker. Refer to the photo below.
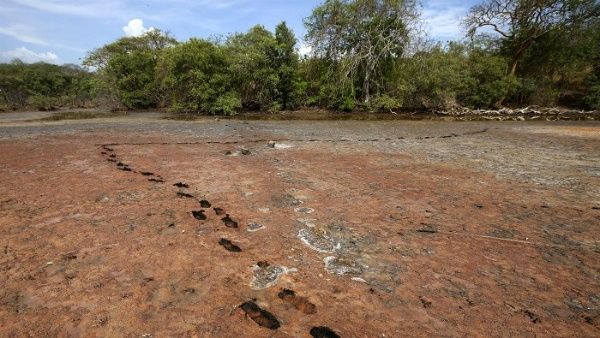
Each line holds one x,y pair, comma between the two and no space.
205,204
181,194
146,173
229,246
300,303
229,222
267,275
199,215
323,332
261,317
181,185
219,211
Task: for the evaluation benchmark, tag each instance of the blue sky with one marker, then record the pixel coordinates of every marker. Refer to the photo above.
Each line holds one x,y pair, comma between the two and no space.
62,31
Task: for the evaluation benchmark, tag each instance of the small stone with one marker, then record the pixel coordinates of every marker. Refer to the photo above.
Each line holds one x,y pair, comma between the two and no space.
305,210
253,226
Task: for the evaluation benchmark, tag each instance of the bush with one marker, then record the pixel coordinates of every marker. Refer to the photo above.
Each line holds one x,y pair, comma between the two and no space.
384,103
227,104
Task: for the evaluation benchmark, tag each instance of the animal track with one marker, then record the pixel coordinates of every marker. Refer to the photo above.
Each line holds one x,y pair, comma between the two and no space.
229,246
156,180
146,173
323,332
181,194
261,317
181,185
205,204
300,303
219,211
229,222
199,215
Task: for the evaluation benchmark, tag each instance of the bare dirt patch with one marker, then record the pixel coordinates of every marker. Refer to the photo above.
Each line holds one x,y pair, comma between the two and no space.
414,229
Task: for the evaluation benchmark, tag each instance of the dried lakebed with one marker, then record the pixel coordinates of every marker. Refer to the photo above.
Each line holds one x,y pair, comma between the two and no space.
349,229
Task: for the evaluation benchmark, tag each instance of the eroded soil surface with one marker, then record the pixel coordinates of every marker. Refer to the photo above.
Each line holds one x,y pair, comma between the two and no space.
151,228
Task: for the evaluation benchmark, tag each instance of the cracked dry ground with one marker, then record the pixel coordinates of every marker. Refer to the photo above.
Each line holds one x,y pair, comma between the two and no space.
369,229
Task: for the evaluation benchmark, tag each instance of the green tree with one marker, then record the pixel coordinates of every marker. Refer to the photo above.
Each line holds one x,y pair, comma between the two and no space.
361,37
129,65
519,24
194,76
251,65
286,64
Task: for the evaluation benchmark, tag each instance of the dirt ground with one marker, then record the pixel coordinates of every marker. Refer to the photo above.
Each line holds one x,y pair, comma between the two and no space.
381,229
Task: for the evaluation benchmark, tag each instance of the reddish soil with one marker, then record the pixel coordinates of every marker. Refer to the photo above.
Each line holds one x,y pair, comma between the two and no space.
432,241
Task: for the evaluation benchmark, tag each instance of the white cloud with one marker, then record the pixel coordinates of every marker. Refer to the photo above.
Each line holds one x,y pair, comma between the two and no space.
22,33
304,49
444,23
28,56
135,27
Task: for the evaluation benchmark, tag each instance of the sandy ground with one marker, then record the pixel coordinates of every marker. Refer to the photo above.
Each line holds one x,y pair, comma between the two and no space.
382,229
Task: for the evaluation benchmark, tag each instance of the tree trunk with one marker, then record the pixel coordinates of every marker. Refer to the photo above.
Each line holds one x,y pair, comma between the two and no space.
367,86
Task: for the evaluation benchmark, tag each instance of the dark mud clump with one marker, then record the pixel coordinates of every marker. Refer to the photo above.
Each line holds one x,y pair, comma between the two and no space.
219,211
323,332
532,316
300,303
230,223
205,204
181,185
261,317
199,215
229,246
184,195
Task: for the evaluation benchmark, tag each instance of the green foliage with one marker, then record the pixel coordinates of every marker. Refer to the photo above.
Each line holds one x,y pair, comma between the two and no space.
384,103
543,52
194,76
42,86
251,65
286,63
129,65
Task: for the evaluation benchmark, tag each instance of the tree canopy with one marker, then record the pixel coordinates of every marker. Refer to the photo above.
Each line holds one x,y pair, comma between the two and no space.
367,55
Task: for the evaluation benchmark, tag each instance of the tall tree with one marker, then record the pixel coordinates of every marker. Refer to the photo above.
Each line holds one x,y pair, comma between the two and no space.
129,65
521,23
286,63
361,35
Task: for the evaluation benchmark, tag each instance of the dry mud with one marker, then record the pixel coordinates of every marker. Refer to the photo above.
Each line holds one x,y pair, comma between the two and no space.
147,228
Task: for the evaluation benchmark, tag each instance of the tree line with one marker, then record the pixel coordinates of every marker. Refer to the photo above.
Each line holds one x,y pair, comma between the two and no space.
365,55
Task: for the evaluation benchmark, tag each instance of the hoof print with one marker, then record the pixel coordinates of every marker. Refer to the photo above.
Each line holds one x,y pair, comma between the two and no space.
181,185
300,303
229,222
199,215
219,211
323,332
229,246
261,317
205,204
